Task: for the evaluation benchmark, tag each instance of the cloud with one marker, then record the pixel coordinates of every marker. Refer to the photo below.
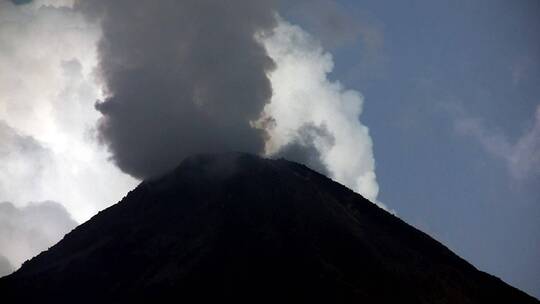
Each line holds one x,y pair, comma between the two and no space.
5,266
26,231
317,116
522,156
181,77
47,95
22,162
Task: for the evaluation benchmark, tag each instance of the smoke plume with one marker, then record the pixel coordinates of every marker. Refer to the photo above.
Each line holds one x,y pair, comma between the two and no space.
310,114
181,77
172,78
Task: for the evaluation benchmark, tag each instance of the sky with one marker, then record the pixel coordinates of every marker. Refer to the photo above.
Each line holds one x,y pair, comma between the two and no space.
430,109
452,92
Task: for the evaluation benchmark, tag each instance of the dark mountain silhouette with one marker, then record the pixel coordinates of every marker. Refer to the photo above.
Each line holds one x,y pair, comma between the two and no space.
239,228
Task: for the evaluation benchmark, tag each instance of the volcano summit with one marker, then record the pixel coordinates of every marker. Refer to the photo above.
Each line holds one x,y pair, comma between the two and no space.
237,227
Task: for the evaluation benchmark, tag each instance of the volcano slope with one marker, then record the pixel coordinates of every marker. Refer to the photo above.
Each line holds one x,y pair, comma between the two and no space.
237,227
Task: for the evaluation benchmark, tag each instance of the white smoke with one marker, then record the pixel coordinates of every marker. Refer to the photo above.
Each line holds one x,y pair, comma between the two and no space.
304,96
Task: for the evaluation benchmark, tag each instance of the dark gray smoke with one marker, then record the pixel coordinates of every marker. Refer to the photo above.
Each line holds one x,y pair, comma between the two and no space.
182,77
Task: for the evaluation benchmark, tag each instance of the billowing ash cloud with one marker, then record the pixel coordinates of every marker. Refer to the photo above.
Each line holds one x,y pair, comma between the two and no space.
26,231
181,77
312,119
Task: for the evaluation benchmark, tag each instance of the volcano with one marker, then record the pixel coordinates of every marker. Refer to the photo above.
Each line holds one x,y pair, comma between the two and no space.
240,228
